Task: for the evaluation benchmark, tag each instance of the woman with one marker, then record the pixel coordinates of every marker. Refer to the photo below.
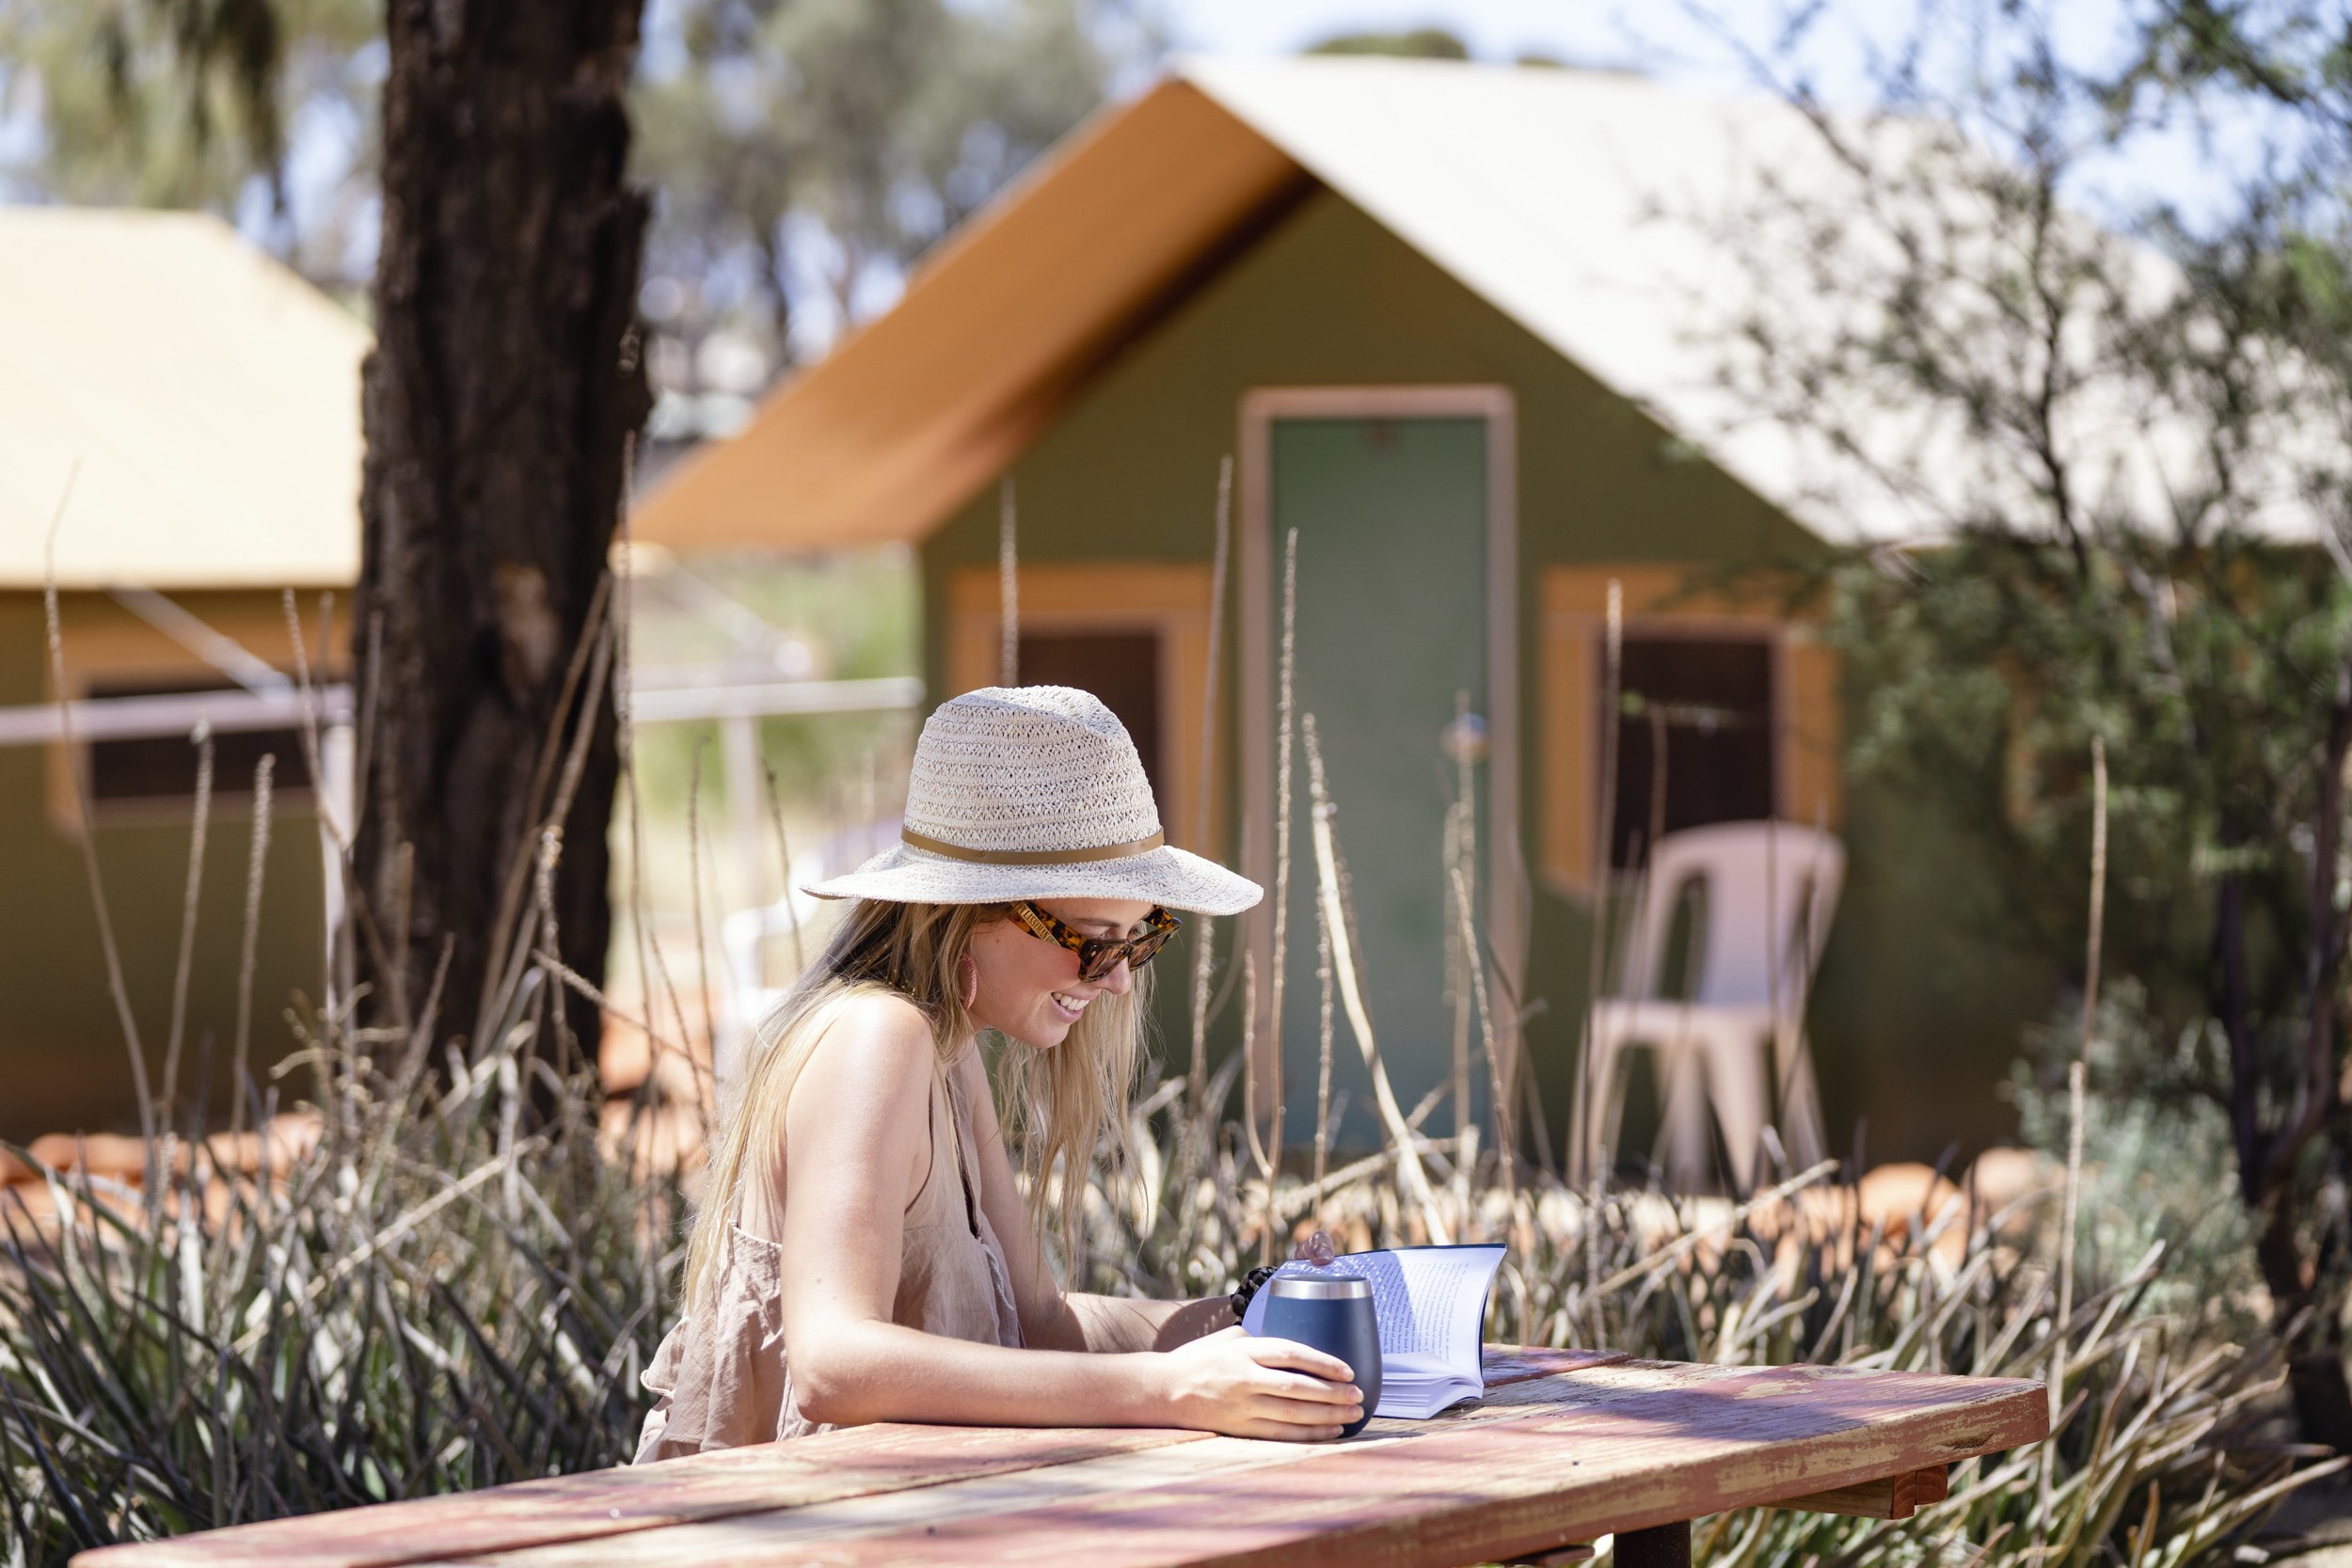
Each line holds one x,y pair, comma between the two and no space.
863,1252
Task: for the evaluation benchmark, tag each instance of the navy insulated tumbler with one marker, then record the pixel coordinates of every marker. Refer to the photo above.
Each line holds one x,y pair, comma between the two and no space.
1333,1313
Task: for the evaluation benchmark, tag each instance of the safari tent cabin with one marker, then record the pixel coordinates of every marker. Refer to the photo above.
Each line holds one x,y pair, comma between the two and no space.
1431,311
179,445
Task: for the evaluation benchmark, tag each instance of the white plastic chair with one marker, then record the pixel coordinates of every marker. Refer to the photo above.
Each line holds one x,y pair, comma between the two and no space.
1768,889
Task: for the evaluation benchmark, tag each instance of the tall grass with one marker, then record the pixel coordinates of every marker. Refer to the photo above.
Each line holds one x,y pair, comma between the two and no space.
428,1299
458,1282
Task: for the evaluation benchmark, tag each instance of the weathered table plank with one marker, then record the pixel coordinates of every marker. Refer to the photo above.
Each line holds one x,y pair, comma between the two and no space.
1613,1449
852,1463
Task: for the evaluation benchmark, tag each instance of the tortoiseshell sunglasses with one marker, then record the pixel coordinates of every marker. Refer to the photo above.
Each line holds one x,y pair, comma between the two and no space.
1097,956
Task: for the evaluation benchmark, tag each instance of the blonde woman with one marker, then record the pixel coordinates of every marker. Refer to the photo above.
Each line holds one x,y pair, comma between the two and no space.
863,1252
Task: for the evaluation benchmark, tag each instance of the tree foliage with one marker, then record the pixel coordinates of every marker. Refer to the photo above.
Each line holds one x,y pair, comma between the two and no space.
1416,43
192,103
804,152
2130,442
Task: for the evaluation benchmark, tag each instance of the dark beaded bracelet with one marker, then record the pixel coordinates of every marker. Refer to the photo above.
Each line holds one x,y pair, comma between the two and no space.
1249,1283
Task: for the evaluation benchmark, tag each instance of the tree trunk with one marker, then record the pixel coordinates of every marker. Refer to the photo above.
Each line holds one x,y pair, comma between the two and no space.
498,403
2315,1375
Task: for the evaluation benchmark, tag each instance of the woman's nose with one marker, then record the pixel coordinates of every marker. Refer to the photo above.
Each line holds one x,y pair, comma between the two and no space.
1120,981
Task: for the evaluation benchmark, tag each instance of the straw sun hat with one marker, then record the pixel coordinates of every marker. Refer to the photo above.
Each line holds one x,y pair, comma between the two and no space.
1034,792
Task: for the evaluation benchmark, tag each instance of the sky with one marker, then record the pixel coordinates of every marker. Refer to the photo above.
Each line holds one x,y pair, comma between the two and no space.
1715,44
1712,44
1584,32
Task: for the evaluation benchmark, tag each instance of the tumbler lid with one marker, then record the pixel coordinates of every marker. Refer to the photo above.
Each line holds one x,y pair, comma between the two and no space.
1319,1287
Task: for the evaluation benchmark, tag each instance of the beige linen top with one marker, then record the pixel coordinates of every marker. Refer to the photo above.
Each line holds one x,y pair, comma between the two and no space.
720,1373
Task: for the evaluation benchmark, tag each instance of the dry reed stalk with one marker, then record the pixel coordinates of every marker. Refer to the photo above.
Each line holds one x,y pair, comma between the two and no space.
1007,589
1692,1240
1299,1199
1506,1145
1502,1072
588,990
1198,1121
1460,830
199,822
510,934
257,857
1285,700
339,834
1249,1074
1457,979
567,1045
1590,1158
624,724
1410,1175
1789,1042
2076,1089
85,816
1323,982
2098,891
784,854
1196,1074
695,894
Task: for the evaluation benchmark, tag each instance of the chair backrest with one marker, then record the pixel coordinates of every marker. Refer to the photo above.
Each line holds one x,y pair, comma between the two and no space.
1769,890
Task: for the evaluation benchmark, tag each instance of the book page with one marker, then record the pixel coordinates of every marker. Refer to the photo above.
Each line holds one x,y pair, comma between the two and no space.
1428,1301
1448,1288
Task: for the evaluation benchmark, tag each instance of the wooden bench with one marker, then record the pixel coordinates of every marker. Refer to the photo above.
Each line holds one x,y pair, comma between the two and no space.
1569,1446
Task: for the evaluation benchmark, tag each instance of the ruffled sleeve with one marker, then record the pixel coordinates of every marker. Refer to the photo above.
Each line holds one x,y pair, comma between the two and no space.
720,1374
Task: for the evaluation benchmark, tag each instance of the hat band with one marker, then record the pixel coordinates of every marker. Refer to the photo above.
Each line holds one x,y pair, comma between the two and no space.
1029,857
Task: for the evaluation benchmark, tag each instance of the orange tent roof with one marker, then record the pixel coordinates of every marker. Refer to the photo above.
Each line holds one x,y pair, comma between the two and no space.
915,410
1608,215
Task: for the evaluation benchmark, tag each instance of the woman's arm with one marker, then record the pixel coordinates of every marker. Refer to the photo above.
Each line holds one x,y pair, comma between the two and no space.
1051,1317
857,1134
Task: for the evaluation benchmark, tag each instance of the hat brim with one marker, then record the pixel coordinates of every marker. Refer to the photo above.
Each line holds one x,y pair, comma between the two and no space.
1166,875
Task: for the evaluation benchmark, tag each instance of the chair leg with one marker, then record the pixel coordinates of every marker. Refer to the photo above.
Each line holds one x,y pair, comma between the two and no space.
1603,1104
1737,1061
1803,1129
1683,1078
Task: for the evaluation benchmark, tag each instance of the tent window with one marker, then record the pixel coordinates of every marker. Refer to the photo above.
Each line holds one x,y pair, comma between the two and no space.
1712,700
1121,667
155,768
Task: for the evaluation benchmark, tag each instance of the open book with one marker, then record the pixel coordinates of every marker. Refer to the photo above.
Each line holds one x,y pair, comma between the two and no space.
1431,1303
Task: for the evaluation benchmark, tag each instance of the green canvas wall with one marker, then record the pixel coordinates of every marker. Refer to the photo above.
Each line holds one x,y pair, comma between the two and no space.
63,1064
1914,1024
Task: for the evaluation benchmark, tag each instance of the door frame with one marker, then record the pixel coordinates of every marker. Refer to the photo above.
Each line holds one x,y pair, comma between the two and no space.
1499,824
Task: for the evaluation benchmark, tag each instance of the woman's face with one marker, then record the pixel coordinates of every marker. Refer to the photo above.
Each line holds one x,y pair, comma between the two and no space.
1029,986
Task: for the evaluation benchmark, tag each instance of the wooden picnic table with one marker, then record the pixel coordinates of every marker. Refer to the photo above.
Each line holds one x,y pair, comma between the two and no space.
1568,1446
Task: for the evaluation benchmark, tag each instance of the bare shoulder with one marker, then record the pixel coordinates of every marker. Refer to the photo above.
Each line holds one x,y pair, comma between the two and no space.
880,1042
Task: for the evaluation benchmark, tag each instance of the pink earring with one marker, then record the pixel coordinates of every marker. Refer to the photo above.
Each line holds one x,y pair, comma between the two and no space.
967,980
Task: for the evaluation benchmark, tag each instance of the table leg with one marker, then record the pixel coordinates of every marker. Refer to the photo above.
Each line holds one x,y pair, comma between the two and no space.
1664,1546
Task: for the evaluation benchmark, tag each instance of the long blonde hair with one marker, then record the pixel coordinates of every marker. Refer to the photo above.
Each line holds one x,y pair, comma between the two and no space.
1060,1106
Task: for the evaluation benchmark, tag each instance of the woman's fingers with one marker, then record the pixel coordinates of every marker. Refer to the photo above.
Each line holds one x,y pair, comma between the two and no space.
1305,1358
1309,1390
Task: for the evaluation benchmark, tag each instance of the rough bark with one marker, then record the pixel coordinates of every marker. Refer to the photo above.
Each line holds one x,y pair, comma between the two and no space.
498,403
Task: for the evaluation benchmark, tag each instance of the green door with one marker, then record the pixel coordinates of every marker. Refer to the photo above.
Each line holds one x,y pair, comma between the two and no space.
1391,516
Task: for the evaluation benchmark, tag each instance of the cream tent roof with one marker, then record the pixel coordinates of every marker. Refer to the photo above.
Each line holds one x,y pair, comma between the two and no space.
1595,210
204,400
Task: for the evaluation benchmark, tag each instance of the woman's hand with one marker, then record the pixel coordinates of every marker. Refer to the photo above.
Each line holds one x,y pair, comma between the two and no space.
1247,1387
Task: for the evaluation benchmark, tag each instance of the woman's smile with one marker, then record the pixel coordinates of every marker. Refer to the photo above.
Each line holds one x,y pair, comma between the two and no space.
1029,988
